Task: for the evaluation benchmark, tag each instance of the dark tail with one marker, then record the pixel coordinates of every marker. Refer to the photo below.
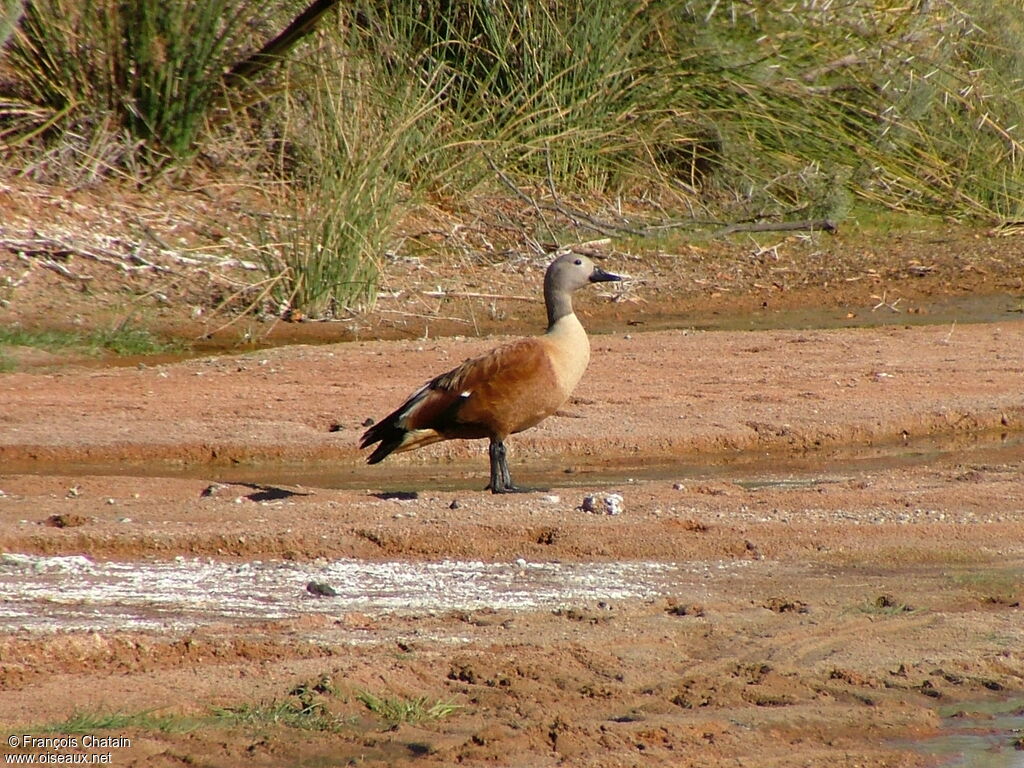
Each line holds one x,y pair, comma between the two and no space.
387,433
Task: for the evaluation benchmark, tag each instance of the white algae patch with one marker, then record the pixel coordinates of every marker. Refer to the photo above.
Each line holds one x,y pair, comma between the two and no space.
75,593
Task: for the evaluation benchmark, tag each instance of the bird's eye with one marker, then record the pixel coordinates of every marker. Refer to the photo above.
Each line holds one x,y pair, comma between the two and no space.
578,262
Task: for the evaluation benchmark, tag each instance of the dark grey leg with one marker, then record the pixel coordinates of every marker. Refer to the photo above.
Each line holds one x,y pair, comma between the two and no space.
501,478
506,476
495,451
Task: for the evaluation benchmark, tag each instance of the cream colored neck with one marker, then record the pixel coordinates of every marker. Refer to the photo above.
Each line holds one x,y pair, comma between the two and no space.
570,350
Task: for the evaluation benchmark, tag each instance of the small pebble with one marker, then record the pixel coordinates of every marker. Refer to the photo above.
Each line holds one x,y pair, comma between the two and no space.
321,589
606,504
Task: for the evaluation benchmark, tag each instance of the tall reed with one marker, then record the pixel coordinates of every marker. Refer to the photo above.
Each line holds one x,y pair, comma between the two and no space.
148,70
348,140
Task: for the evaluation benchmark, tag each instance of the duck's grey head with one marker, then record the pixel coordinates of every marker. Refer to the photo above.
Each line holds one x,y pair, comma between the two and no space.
573,270
567,273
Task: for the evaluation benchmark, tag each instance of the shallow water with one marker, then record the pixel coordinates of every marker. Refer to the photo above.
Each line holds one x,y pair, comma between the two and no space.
75,593
944,310
979,735
748,469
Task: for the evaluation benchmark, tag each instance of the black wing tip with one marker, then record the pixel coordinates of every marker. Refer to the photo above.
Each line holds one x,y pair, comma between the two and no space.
388,434
384,450
376,432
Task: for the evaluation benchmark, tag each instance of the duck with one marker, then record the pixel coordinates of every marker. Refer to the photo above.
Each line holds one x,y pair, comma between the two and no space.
507,390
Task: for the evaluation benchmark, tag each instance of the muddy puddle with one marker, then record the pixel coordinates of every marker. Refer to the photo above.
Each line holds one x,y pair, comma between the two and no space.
978,735
40,593
747,469
945,310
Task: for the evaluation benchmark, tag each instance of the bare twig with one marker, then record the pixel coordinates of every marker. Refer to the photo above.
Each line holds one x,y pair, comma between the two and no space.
891,305
850,60
421,316
470,295
128,260
263,289
63,271
576,217
826,225
274,51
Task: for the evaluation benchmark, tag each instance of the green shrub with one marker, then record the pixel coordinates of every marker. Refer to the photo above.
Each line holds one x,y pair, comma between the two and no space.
712,109
110,78
558,92
348,141
913,107
10,12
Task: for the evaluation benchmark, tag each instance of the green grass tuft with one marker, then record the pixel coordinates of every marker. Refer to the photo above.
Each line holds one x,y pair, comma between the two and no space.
394,710
886,605
994,585
124,340
284,713
305,709
82,721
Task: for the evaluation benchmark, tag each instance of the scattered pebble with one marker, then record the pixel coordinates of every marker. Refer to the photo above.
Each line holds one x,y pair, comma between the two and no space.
67,520
678,609
602,504
321,589
212,490
786,605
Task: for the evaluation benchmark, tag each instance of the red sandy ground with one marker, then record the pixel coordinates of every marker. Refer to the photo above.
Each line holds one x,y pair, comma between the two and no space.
827,617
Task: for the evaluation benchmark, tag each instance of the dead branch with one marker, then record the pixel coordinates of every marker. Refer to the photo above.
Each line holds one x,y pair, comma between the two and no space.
578,218
272,53
826,225
63,271
470,295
